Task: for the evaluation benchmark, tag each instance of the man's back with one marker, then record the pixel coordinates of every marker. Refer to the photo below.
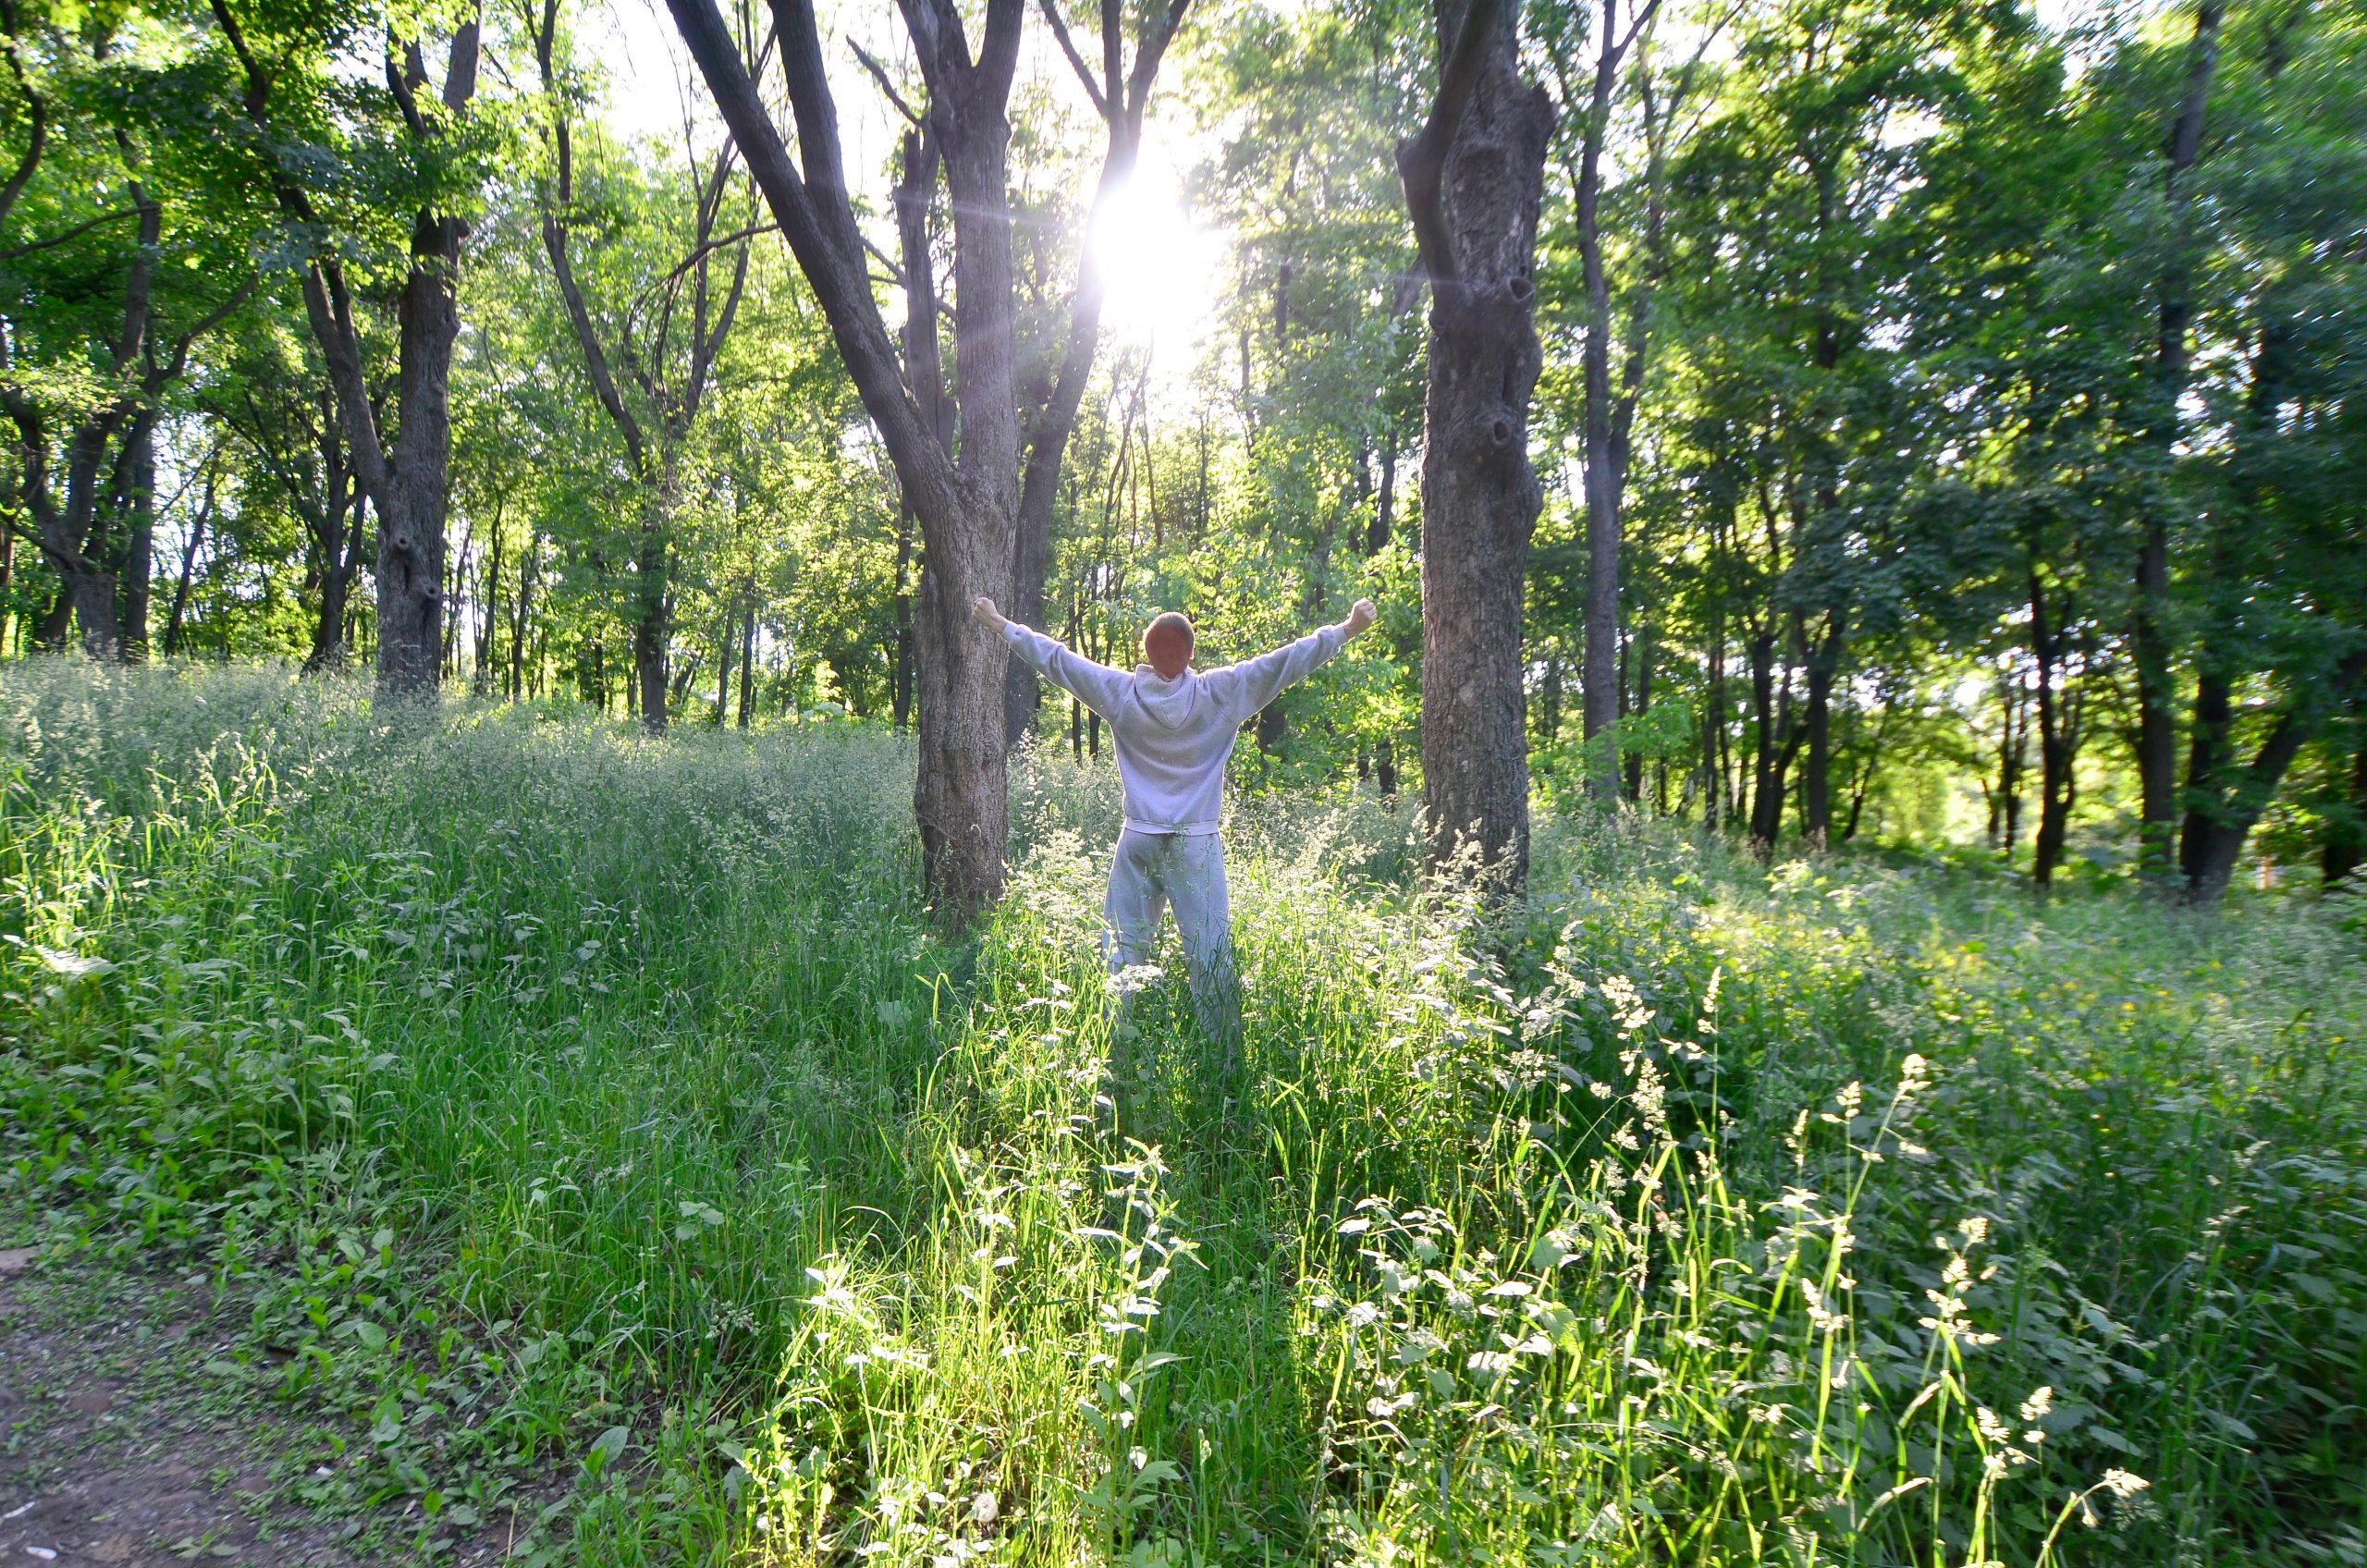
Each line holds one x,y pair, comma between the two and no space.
1175,734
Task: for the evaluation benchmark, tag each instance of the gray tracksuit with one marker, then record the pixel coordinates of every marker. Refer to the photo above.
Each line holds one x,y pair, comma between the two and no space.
1174,738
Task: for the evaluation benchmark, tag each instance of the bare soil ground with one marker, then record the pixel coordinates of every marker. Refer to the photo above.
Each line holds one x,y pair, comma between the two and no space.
116,1447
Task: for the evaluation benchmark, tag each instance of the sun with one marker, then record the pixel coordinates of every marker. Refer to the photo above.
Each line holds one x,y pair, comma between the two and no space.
1161,269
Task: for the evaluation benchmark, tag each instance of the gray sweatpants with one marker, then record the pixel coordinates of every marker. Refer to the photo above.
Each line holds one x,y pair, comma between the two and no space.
1151,871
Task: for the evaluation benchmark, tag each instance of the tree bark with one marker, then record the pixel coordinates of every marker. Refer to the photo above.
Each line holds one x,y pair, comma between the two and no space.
1474,181
2148,633
139,534
967,507
2057,738
1607,419
1823,668
1778,744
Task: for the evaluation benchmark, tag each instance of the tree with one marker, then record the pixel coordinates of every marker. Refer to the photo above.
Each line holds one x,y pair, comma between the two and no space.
139,257
2149,645
289,99
968,499
1474,180
666,343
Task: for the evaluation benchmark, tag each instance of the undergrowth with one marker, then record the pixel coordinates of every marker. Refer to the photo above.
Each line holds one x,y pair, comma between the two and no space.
605,1147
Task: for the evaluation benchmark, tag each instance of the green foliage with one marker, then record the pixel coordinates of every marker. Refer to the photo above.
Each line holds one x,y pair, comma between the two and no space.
596,1129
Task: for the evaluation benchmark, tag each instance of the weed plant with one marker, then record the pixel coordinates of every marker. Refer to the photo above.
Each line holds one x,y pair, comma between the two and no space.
610,1157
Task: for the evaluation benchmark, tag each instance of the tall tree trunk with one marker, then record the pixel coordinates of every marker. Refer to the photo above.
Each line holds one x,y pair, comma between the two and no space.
418,493
173,619
1384,512
1474,181
139,532
724,640
2012,751
2056,757
2210,748
488,662
968,503
1606,421
748,667
1778,744
2149,632
1824,667
1641,648
650,620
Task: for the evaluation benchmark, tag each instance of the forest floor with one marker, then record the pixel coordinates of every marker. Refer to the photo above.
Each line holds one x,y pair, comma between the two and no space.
118,1450
121,1443
496,1135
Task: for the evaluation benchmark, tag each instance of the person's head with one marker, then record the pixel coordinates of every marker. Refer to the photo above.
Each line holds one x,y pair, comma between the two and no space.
1167,644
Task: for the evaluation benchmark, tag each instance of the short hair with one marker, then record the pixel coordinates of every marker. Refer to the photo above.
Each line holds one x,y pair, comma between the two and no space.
1169,623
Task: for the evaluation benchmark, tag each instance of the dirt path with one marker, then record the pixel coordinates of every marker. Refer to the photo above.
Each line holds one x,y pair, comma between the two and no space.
113,1449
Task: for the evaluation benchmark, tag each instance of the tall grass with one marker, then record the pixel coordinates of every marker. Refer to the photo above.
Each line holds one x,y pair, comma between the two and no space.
550,1096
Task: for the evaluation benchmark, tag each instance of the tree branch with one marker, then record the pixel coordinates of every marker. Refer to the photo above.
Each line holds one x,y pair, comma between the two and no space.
36,114
1076,61
817,224
880,74
1421,159
56,239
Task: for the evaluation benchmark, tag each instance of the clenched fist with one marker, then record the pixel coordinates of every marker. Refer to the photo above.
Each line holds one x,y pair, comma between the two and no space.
983,612
1360,615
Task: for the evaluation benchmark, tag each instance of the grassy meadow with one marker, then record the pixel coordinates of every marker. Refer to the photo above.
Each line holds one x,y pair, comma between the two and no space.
600,1147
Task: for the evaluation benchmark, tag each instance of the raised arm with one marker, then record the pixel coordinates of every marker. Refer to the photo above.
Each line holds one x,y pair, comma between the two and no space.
1251,684
1094,685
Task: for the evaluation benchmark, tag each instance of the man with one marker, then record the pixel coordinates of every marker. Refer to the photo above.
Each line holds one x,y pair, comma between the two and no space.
1176,729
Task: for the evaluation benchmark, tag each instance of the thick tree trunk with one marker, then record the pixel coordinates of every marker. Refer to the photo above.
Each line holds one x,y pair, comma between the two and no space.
1474,182
2210,749
958,796
967,504
90,591
1778,744
900,700
409,486
649,630
411,513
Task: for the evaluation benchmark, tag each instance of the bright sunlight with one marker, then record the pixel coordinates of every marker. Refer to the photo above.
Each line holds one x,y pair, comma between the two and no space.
1162,269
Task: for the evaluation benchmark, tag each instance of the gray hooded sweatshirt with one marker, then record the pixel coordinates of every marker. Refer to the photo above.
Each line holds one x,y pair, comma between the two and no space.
1174,736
